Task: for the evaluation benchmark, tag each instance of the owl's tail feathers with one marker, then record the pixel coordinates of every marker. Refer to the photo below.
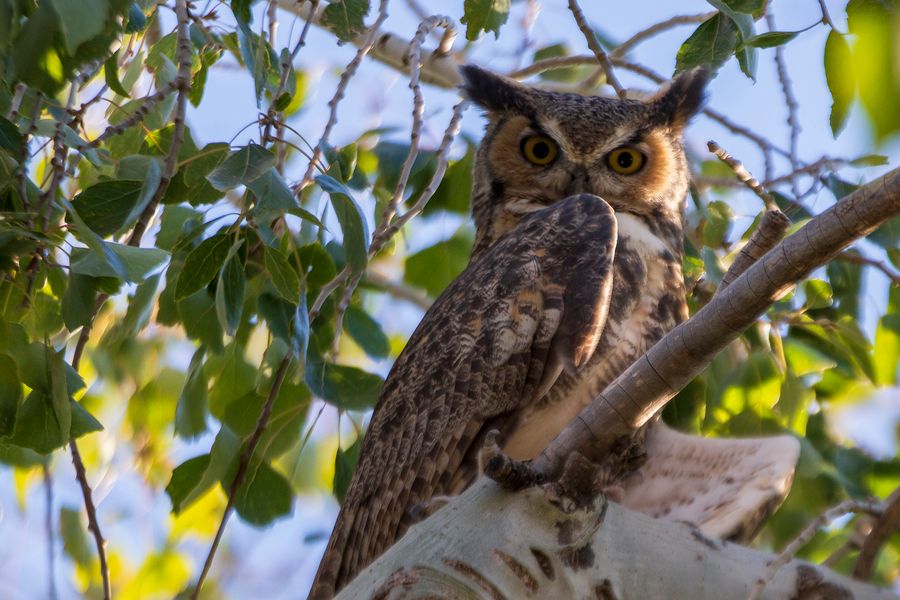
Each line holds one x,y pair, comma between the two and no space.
726,487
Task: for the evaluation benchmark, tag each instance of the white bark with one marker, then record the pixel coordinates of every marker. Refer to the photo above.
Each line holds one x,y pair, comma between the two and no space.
493,544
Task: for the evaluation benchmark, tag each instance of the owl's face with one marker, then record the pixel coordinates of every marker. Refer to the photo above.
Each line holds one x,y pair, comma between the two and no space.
541,147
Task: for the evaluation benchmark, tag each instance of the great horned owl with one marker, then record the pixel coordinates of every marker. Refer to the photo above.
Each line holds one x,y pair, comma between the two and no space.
575,273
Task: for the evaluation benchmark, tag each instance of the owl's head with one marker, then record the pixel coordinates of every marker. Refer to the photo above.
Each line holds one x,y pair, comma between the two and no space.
543,146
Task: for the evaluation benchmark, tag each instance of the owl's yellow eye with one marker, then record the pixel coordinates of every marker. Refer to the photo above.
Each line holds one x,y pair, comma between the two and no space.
539,150
625,160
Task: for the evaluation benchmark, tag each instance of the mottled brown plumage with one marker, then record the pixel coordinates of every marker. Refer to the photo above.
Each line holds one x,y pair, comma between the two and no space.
576,271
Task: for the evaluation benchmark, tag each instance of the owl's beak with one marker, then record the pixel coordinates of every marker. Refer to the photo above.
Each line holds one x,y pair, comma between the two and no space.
579,182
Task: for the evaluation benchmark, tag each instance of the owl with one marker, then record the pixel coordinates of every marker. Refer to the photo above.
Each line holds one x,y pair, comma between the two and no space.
574,274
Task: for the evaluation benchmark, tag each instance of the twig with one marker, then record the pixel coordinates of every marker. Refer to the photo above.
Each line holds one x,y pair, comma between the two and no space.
182,83
854,257
18,95
595,47
770,231
271,113
243,468
347,74
140,113
826,18
379,236
885,525
399,290
51,537
812,169
742,173
623,48
791,101
790,551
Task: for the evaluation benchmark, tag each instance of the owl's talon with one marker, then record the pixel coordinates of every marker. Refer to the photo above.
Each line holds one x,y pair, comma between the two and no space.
512,475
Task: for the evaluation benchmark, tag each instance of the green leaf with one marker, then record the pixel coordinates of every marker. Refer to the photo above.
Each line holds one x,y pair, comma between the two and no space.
190,413
345,18
140,307
241,167
264,497
347,388
344,465
81,20
876,63
282,275
770,39
287,321
74,536
712,43
37,425
103,257
285,421
869,160
756,385
10,138
185,479
10,394
455,188
234,378
83,422
197,314
230,293
804,359
111,75
137,263
745,54
839,74
887,342
367,332
352,220
436,266
202,265
818,294
136,19
718,224
484,15
273,196
106,206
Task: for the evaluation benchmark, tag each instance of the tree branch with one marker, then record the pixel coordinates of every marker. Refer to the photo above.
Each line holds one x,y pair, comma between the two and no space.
595,47
885,525
645,387
493,544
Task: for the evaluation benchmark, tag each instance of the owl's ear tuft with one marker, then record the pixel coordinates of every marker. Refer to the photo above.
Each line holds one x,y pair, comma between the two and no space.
493,92
676,104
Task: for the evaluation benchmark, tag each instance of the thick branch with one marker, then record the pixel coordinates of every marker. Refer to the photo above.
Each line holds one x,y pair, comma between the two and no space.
645,387
492,544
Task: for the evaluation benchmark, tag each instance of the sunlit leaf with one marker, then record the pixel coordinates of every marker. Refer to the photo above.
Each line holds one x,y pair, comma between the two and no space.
818,294
712,43
484,15
839,74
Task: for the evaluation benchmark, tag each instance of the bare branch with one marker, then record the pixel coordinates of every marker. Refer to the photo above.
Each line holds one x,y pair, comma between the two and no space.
770,231
790,551
399,290
595,47
147,104
644,34
743,175
856,258
885,525
792,106
48,525
243,468
346,75
645,387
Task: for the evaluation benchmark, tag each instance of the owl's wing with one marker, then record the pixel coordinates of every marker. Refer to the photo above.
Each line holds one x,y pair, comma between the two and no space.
534,302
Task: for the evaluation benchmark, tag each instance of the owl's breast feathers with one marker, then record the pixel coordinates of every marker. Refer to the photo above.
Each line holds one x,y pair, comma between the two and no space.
532,305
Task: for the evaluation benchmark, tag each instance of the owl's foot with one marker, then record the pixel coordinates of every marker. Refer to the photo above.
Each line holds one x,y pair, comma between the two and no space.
575,487
512,475
423,510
